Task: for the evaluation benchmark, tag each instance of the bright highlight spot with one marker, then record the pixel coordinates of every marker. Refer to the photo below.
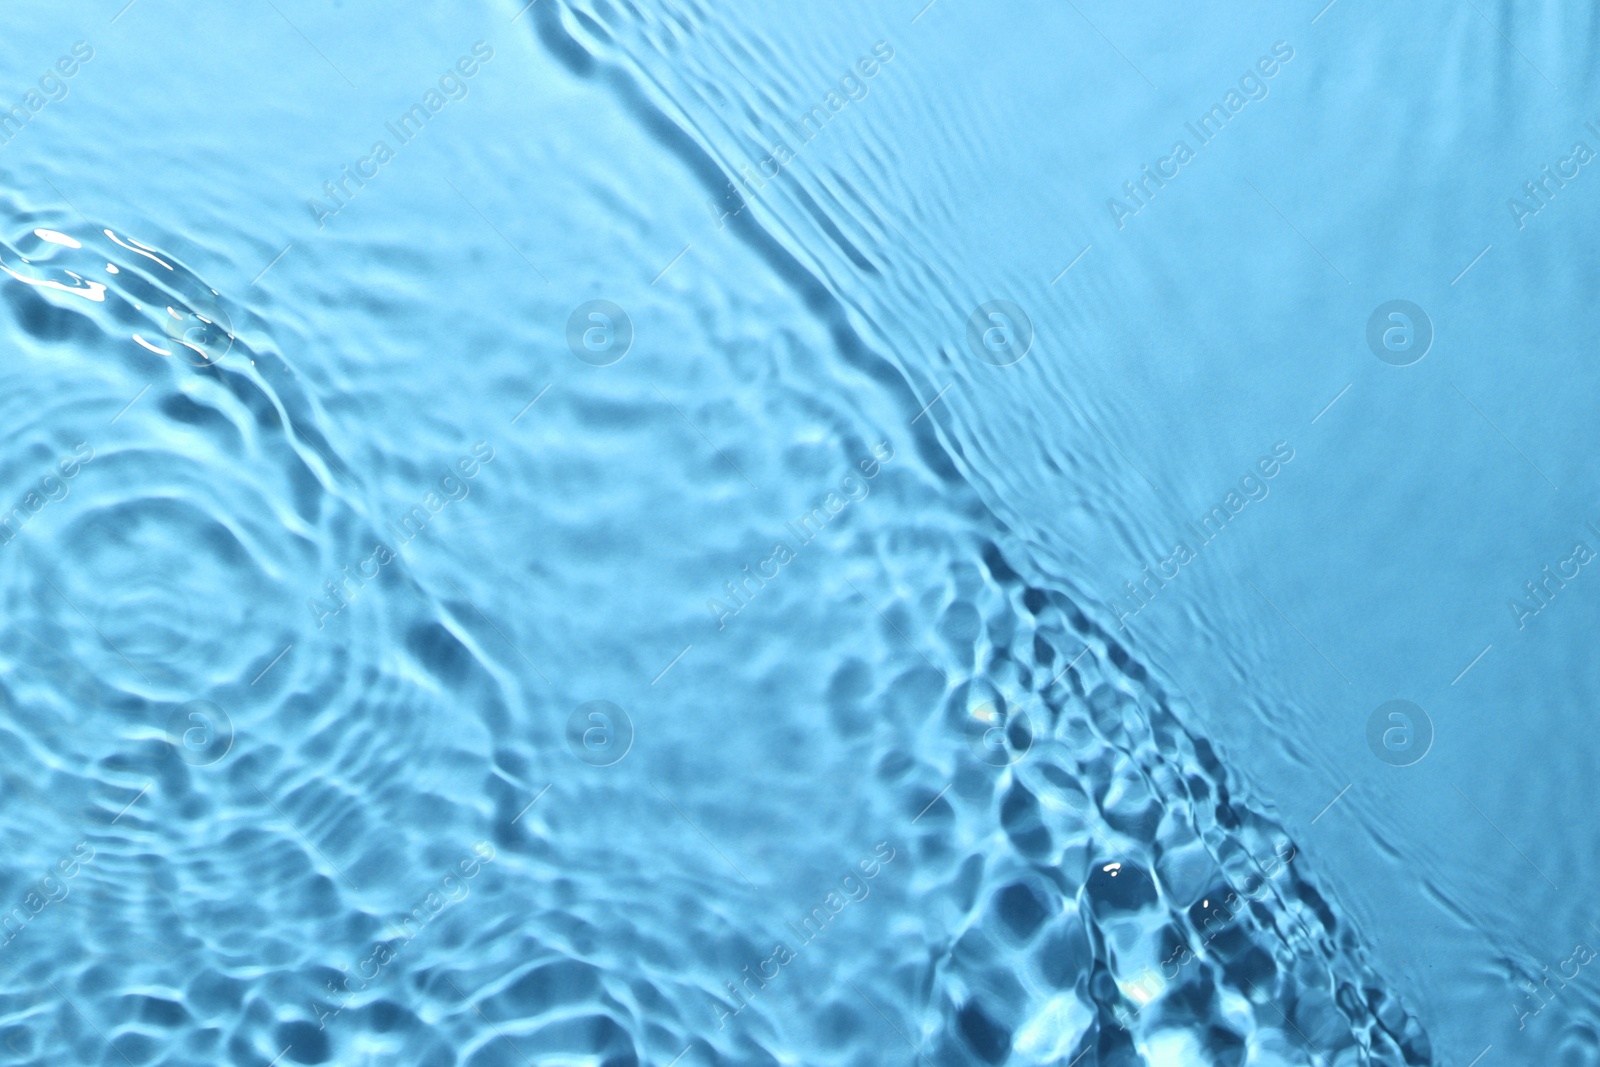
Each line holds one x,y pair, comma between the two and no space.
57,238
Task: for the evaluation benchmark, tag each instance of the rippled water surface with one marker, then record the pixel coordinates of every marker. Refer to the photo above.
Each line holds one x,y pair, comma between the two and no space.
608,532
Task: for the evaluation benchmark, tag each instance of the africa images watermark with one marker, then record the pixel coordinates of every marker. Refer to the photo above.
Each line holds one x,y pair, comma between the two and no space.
52,87
804,529
451,890
1251,489
1582,955
1252,87
52,487
1540,592
1539,191
49,889
452,85
855,890
344,589
852,86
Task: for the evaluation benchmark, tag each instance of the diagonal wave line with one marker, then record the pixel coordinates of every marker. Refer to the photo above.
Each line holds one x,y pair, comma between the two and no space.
1332,402
471,1004
62,195
530,404
496,229
1296,229
729,60
92,626
1299,631
333,468
926,262
1514,48
703,836
134,801
897,630
130,404
308,41
703,437
496,629
1114,48
932,402
531,803
273,664
671,665
1069,266
890,1021
1503,436
68,1001
1474,263
1508,840
312,845
1068,667
931,803
1331,803
1471,665
1107,437
274,263
674,262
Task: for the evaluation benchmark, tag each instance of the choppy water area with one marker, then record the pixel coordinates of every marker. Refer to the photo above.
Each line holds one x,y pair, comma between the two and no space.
531,544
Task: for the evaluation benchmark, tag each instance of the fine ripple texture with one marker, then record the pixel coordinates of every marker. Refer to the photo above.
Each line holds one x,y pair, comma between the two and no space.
327,545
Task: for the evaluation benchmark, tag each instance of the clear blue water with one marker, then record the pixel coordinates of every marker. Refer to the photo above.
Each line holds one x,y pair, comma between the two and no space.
664,533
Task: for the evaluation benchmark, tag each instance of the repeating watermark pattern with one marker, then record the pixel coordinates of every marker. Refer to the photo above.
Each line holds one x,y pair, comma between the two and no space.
450,891
1251,88
599,332
1582,956
201,732
1399,733
202,335
52,487
854,890
599,733
451,86
1252,487
1539,191
52,87
1399,332
51,888
999,333
999,733
452,486
802,530
852,85
1539,592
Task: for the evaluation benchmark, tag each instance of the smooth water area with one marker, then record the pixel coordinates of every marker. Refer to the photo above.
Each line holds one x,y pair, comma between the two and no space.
604,533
